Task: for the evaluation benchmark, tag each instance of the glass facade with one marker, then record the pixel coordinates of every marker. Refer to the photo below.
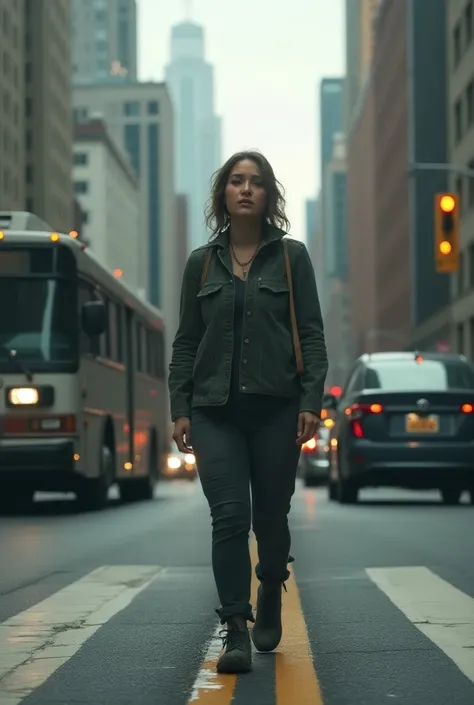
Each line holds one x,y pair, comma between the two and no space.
154,259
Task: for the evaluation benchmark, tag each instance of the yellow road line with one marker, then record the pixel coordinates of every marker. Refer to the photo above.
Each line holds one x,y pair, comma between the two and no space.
211,688
296,680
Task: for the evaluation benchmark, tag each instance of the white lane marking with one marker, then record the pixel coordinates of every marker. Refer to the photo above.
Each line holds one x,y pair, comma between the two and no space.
207,678
438,609
36,642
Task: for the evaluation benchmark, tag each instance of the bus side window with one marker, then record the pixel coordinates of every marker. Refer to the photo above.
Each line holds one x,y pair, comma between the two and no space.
119,314
139,346
86,294
105,343
160,355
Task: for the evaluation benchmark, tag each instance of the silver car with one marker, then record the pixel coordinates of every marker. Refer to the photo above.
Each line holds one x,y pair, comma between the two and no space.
314,459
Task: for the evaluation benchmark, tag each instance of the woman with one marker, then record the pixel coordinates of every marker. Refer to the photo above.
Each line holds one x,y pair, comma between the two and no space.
246,382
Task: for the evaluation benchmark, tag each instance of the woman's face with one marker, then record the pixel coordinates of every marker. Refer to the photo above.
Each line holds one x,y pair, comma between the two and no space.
244,193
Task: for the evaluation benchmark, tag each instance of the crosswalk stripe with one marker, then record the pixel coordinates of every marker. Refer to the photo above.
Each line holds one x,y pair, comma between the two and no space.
36,642
438,609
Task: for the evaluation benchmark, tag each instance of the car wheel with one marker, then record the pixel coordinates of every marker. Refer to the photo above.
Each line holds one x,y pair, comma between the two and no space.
451,495
332,491
348,492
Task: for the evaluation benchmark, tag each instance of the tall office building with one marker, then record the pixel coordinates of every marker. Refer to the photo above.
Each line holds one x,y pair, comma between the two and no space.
331,117
12,100
311,213
460,80
139,117
360,18
331,123
104,47
335,209
390,214
35,119
198,130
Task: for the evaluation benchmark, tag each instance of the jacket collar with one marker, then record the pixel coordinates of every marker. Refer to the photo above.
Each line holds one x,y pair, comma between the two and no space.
271,234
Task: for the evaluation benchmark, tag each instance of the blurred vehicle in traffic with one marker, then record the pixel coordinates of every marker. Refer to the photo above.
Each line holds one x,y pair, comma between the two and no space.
314,459
179,466
404,420
83,390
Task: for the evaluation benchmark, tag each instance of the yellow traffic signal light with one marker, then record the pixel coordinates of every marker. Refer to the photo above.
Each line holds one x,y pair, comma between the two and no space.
447,232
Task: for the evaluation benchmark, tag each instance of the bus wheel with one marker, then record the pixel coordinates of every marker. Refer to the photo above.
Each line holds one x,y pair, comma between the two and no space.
94,492
142,488
16,499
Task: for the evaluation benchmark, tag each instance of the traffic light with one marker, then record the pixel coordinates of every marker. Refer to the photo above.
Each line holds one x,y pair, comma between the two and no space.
447,232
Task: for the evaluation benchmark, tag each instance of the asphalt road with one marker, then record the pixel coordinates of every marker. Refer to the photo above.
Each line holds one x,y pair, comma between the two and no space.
117,607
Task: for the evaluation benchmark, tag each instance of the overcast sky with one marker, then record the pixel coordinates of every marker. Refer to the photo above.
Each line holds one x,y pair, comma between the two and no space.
269,57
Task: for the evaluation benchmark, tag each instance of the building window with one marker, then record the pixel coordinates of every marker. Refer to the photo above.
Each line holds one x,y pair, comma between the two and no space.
460,339
85,217
80,158
132,144
461,275
81,187
470,103
458,126
471,265
29,174
81,115
470,188
469,23
131,108
457,44
459,189
153,107
154,258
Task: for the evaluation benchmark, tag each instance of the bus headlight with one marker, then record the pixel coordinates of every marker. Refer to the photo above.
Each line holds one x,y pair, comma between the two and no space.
173,463
23,396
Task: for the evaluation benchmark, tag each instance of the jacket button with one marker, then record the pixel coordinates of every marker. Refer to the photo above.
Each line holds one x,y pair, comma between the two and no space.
244,360
249,312
243,387
246,341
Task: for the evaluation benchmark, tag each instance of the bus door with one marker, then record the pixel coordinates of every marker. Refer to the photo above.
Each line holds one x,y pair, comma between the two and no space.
130,380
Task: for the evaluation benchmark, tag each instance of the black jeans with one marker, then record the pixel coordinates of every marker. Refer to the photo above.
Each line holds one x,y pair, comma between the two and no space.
248,443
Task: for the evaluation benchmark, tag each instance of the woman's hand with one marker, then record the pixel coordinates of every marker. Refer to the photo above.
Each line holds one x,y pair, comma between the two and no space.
182,434
308,425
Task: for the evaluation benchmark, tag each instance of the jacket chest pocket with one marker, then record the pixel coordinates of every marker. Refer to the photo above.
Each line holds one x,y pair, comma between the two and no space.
273,295
211,298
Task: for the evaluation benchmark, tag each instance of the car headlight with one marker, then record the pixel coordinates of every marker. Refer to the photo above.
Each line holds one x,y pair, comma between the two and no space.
189,459
23,396
173,462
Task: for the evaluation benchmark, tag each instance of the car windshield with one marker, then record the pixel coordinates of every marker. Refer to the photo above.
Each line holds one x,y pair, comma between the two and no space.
38,320
432,375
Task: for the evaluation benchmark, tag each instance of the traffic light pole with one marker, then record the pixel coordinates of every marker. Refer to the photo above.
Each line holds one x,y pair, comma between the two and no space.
453,168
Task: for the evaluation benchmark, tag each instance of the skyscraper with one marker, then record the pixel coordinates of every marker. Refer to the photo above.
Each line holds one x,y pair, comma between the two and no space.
104,36
139,117
197,129
35,120
331,121
360,17
331,115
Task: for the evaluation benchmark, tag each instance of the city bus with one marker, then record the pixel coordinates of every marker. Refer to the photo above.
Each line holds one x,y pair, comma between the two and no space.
83,404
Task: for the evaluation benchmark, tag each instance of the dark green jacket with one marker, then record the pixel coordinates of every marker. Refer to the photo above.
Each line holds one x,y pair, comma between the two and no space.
201,364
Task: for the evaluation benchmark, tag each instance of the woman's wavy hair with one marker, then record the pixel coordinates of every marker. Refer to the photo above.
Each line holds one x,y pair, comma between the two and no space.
217,216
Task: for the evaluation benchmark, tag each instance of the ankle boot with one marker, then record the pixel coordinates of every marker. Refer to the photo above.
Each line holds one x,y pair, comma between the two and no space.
237,656
267,631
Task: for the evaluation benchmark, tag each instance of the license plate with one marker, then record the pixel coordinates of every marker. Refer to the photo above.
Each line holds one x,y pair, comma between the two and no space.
421,424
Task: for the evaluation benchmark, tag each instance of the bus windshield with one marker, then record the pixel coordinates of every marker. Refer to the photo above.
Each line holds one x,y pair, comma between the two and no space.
39,319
